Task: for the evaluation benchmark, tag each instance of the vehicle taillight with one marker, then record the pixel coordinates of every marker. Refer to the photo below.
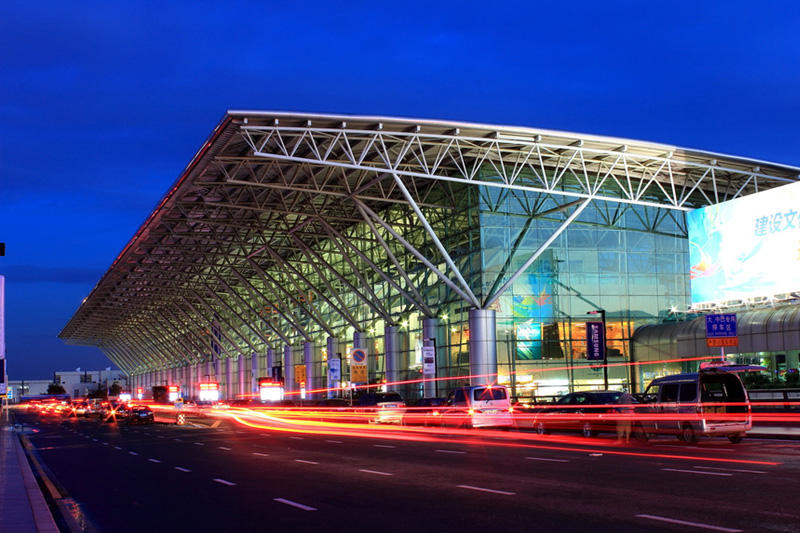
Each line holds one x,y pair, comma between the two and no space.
470,412
510,409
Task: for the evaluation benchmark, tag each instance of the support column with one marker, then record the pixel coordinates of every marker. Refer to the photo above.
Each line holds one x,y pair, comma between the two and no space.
333,353
311,373
242,389
288,373
271,362
255,373
391,356
482,347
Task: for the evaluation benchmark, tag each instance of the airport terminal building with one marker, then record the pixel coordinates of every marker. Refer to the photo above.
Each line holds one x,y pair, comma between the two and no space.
444,252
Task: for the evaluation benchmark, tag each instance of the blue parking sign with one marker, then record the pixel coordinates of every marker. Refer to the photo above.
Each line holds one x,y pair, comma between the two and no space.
723,325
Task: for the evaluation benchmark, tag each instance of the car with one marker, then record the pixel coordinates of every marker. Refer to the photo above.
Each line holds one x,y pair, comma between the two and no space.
589,412
382,407
479,406
334,402
141,414
710,402
425,412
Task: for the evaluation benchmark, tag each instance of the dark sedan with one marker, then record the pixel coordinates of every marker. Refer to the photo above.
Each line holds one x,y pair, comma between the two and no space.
590,412
140,415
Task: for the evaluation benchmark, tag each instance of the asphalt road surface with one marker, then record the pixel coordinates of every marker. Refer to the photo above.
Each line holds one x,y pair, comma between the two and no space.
233,477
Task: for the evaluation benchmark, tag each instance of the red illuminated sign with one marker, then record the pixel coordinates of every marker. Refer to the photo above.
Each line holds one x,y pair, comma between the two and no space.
173,388
209,386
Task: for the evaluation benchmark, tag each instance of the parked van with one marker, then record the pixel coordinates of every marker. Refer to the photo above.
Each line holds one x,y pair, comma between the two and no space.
478,407
711,402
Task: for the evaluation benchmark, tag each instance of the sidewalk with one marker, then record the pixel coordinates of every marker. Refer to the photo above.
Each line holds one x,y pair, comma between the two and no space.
22,507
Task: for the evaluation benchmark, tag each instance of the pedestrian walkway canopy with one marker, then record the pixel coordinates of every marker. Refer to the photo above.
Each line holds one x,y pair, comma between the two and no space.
288,226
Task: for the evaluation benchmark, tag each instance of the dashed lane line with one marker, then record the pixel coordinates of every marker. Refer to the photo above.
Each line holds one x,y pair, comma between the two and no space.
224,448
154,460
685,523
384,446
306,462
450,451
261,454
483,489
295,504
547,459
225,482
376,472
181,469
723,474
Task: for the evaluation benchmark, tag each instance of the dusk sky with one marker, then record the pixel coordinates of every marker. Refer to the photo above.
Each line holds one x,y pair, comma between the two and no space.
104,103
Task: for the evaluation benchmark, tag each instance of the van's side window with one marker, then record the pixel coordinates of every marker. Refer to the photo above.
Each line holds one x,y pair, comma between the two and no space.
460,397
669,392
688,392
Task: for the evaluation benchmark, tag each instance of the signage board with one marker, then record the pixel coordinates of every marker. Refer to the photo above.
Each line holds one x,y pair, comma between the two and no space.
299,373
746,247
358,373
595,341
721,330
429,360
335,369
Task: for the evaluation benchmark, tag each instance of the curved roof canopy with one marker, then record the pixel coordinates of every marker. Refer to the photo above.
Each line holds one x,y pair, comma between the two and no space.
246,220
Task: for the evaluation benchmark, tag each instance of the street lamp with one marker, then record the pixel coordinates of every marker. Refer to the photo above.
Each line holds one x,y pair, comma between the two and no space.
602,313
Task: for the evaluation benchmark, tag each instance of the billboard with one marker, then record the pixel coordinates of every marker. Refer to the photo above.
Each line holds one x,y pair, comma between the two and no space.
747,247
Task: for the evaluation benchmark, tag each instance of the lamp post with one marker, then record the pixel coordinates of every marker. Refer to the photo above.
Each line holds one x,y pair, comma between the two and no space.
602,313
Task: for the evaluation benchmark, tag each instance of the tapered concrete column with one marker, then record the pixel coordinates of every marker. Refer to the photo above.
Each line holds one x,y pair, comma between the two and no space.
312,381
333,353
288,373
255,373
243,381
271,362
391,357
482,346
228,378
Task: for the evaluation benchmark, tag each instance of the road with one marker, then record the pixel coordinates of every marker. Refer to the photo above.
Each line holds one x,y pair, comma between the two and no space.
268,478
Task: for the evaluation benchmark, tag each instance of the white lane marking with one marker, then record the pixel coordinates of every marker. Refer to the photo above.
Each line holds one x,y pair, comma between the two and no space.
376,472
384,446
548,460
265,434
224,448
199,443
105,444
117,448
449,451
482,489
685,523
297,438
182,469
154,460
133,453
306,462
94,440
295,504
732,470
261,454
178,440
224,482
696,472
334,441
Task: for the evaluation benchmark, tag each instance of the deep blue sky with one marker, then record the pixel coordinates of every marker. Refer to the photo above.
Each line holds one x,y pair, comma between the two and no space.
102,105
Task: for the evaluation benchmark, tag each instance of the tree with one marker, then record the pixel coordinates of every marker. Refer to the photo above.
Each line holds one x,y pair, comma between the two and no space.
55,388
114,390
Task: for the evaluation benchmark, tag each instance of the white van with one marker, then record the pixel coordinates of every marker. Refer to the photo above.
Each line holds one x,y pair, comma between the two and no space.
711,402
478,406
